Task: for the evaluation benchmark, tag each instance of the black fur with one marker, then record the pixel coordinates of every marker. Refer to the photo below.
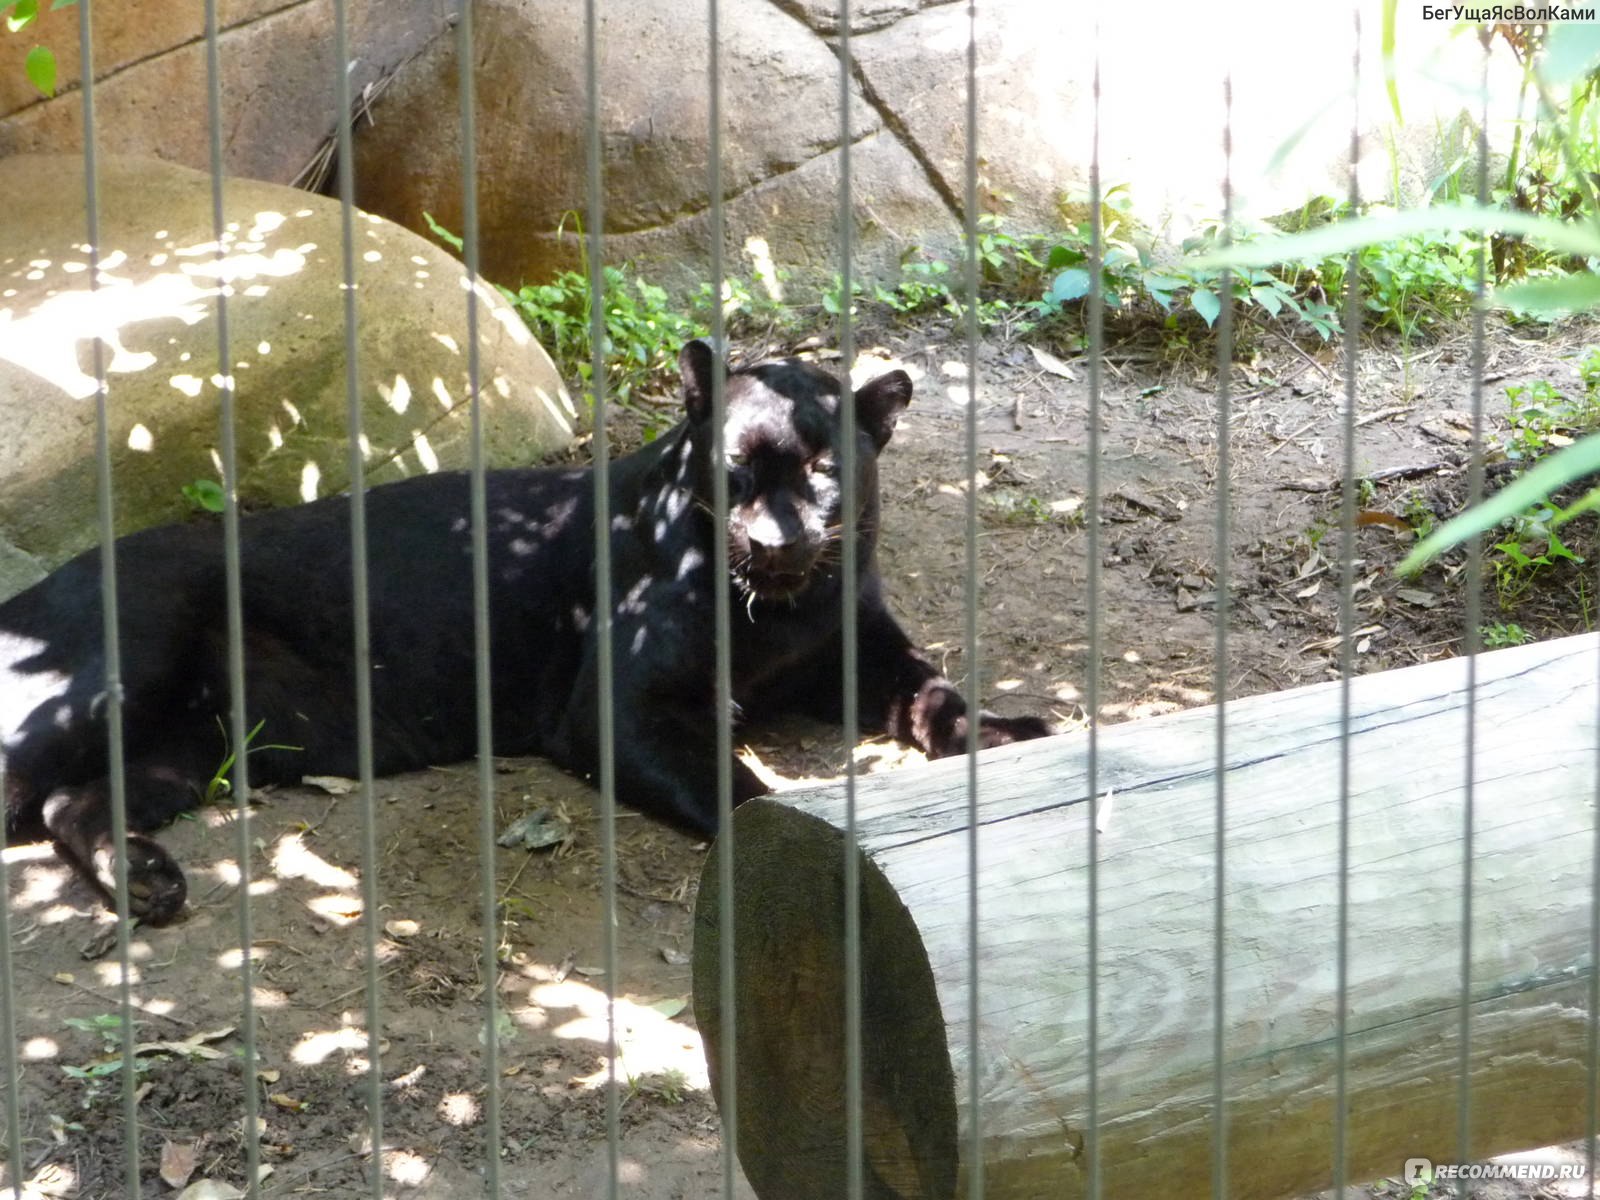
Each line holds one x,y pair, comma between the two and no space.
784,539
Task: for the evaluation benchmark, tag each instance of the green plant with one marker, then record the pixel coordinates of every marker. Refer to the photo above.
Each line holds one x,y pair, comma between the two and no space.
93,1075
206,495
1410,284
1418,514
1503,633
1515,568
219,786
40,64
643,328
668,1086
1544,419
1014,508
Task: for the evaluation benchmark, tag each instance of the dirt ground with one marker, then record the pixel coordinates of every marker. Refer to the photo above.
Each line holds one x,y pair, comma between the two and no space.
1159,467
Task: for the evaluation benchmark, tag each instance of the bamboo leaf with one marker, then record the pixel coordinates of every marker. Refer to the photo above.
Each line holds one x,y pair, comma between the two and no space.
1390,7
1577,460
1339,237
1557,294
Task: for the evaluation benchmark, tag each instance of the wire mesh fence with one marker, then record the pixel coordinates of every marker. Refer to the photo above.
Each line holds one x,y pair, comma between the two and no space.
872,1158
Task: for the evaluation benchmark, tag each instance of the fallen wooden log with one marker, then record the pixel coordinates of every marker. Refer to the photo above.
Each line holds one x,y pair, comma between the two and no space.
1532,866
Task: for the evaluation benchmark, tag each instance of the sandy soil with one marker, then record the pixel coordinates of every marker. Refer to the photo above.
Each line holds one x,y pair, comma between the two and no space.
1159,467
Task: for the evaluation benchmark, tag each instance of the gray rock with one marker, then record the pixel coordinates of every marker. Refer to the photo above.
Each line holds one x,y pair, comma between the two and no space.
154,310
780,141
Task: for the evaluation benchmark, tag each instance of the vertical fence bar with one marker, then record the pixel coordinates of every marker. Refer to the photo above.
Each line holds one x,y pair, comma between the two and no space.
1096,316
854,1150
602,588
238,736
1224,485
115,749
1471,635
974,661
481,632
722,616
1347,580
360,600
8,1018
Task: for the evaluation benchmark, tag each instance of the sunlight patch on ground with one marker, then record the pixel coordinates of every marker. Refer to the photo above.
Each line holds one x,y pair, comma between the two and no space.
293,859
648,1042
406,1167
41,886
318,1046
231,958
36,1049
459,1108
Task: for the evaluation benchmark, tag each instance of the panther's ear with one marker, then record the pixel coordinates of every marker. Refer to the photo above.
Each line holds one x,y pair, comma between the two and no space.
880,403
698,364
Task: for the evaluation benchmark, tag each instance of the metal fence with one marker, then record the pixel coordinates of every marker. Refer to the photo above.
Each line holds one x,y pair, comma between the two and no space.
726,848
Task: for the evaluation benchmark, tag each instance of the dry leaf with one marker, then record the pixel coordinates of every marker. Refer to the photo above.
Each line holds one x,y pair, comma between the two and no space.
334,785
1309,590
178,1161
285,1101
270,1075
1374,516
192,1046
1051,363
402,928
64,977
1417,596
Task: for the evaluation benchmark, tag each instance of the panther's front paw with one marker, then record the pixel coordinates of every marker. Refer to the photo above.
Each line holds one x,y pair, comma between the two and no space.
1002,731
156,886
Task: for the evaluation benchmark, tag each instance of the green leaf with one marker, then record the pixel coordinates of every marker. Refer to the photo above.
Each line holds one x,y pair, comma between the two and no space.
55,4
205,494
1571,51
443,234
1206,304
1062,256
22,14
1390,7
671,1007
1553,473
1577,292
1339,237
1071,284
1270,298
40,68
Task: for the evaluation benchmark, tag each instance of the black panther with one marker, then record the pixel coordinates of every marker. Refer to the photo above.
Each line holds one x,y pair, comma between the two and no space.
785,539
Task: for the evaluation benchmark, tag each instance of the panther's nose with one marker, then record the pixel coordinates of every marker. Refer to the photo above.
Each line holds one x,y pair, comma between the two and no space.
778,557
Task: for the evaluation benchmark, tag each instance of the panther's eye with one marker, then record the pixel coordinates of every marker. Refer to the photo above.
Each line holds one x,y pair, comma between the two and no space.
741,459
823,464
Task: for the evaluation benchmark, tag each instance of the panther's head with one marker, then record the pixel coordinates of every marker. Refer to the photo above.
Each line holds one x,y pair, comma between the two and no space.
782,451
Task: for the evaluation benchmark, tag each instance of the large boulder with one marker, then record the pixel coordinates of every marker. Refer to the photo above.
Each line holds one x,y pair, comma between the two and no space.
1160,117
154,310
780,144
277,78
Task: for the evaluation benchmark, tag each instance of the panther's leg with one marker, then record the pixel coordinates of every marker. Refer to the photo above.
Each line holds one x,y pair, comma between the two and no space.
78,820
904,695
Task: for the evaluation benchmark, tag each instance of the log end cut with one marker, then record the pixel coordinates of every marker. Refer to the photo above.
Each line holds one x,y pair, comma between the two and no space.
790,1029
